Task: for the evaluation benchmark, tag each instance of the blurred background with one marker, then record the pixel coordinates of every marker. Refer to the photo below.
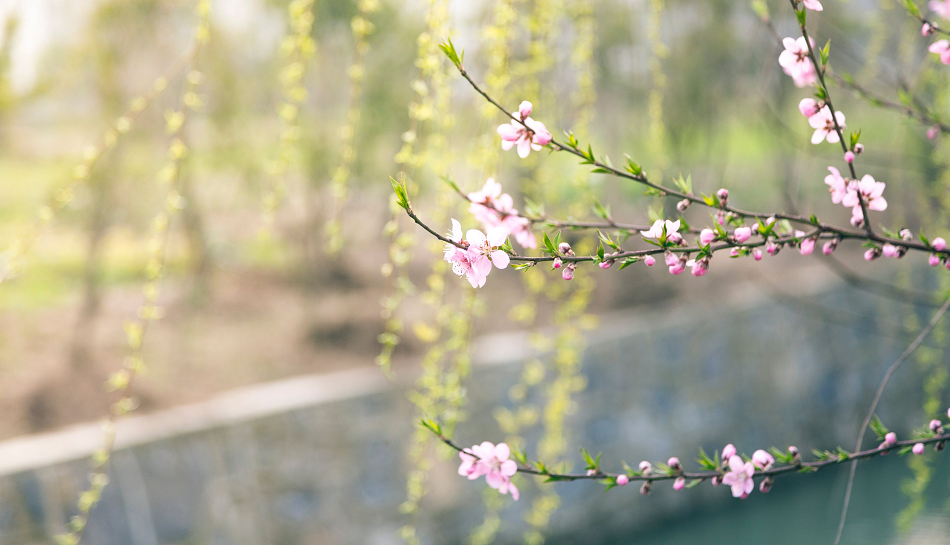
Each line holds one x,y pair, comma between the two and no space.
298,348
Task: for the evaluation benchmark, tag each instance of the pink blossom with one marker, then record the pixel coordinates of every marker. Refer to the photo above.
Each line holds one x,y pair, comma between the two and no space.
939,244
933,131
649,260
940,7
743,234
679,267
849,157
806,246
475,262
890,438
739,477
728,452
933,260
528,135
918,449
809,107
871,192
492,208
762,460
824,126
470,467
757,254
795,61
656,231
679,483
942,48
622,480
495,465
836,185
670,258
889,250
813,5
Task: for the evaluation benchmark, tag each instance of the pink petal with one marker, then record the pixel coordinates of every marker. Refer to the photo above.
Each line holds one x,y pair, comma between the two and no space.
475,237
509,468
524,148
500,259
509,132
502,452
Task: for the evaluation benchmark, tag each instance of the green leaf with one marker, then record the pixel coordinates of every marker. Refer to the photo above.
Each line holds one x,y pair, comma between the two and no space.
824,53
550,246
878,427
602,211
401,197
654,214
632,167
627,262
800,15
448,48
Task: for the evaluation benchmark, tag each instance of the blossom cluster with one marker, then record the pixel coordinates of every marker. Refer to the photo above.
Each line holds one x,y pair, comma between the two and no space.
850,193
491,461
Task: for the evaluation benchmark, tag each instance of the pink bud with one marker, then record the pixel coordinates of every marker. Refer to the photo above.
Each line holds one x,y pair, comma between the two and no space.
743,234
706,236
674,463
935,425
829,247
678,268
933,260
918,449
883,445
849,157
591,472
679,483
674,238
766,485
606,264
757,254
728,451
948,413
858,148
871,254
683,205
649,260
807,246
939,244
762,459
645,467
890,438
716,480
622,480
808,107
558,263
565,248
734,252
889,250
793,450
525,109
671,259
646,487
772,249
723,195
926,30
568,273
933,131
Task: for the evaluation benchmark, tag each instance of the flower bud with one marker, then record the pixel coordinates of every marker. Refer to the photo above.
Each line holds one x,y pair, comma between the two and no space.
939,445
558,263
591,472
933,131
809,107
734,252
926,30
683,205
757,254
646,487
728,452
857,221
716,480
872,253
721,217
706,236
936,427
772,249
890,438
674,463
649,260
671,259
858,149
675,238
849,157
679,483
565,249
606,264
568,272
933,260
723,195
622,480
525,109
939,244
830,246
742,234
762,460
793,450
905,234
766,485
889,250
918,449
646,468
